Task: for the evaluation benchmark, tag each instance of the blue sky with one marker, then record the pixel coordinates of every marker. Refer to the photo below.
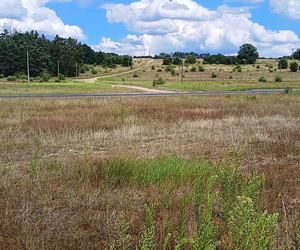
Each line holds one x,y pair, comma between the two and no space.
153,26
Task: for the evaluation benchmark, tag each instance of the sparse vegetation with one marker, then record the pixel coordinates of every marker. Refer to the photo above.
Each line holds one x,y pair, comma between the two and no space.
150,172
262,79
278,79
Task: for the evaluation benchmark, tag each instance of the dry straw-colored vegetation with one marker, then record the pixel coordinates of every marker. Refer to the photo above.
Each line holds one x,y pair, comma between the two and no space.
153,173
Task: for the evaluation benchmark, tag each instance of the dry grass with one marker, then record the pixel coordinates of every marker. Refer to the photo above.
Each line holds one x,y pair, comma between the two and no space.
47,200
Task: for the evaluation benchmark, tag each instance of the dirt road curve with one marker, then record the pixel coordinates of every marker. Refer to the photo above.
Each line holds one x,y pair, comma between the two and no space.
147,90
94,79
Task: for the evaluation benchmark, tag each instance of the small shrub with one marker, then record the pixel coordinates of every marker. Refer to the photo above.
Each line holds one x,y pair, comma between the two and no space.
278,79
20,76
214,75
294,67
238,68
173,72
230,77
169,68
159,70
153,67
288,90
159,81
61,77
193,69
257,66
11,78
135,75
262,79
1,76
269,66
250,229
283,64
45,76
201,68
94,72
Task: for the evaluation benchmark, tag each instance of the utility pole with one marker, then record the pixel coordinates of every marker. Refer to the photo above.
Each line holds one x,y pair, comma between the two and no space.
76,69
28,70
182,71
57,68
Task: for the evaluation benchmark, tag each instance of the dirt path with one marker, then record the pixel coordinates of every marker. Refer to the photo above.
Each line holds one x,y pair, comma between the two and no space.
145,89
94,79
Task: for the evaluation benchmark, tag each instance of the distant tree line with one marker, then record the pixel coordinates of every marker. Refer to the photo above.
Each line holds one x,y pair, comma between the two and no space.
45,55
247,54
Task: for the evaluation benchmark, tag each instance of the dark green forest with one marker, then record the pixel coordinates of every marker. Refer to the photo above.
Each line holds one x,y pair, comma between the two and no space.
45,55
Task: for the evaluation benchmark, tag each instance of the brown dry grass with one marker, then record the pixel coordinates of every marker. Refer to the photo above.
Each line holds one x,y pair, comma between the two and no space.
60,209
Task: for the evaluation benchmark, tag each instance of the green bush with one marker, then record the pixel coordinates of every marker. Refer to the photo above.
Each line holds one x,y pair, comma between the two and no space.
159,70
201,68
237,68
44,76
11,78
262,79
153,67
159,81
1,76
283,64
61,77
278,79
214,75
135,75
193,69
94,72
20,76
294,67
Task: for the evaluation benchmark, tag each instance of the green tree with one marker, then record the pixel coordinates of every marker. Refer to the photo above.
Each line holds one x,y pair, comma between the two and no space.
248,54
191,59
167,60
294,67
177,60
283,64
296,54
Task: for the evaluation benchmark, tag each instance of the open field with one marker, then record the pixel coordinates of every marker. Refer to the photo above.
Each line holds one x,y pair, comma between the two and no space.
77,174
226,77
69,87
143,75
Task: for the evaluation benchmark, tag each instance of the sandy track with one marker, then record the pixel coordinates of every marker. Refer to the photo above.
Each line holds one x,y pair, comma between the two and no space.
94,79
145,89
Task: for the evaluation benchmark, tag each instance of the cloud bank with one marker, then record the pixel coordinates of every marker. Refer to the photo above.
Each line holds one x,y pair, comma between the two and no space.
170,25
24,15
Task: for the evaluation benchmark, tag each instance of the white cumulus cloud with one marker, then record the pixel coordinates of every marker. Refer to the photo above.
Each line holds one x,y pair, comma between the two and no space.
290,8
169,25
26,15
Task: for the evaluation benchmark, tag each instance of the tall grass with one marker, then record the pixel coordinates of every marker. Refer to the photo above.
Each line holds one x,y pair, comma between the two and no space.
223,198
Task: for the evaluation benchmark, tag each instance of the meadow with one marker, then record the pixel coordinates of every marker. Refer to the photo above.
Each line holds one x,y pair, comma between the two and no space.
150,173
197,77
214,77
